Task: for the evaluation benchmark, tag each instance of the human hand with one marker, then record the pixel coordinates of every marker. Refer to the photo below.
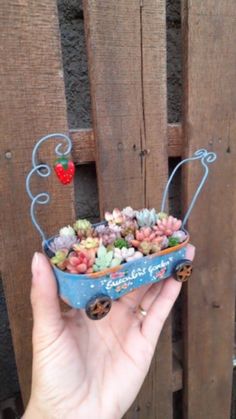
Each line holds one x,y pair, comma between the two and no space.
84,368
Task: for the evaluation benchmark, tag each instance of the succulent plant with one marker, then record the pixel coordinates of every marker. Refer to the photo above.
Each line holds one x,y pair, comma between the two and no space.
89,243
128,212
129,238
162,215
105,259
83,228
147,235
137,255
121,243
173,241
107,234
129,226
127,254
115,228
164,243
146,218
123,253
67,232
62,242
127,235
156,247
180,234
167,226
145,247
81,262
149,247
116,217
60,259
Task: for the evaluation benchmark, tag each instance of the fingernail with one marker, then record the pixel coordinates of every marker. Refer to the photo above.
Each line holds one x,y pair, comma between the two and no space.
35,261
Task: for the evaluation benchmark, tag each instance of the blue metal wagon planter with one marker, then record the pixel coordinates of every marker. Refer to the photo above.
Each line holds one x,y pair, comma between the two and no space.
94,292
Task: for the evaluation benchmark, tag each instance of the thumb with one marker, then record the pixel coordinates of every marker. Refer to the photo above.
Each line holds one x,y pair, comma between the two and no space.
48,322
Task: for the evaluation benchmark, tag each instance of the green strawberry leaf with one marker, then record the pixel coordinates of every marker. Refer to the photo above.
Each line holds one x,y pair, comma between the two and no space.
63,161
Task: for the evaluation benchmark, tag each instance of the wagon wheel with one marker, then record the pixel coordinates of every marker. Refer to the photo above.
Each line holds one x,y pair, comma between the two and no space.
98,307
183,270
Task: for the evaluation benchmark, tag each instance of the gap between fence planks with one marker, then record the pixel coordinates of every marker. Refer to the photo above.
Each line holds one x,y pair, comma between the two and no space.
32,95
210,122
126,43
84,143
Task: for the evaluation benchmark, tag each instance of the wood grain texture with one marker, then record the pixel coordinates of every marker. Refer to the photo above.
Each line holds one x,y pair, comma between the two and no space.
32,104
175,140
126,44
84,144
210,122
83,150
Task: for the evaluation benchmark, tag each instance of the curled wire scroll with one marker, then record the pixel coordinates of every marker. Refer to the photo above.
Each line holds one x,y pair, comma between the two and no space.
205,157
44,170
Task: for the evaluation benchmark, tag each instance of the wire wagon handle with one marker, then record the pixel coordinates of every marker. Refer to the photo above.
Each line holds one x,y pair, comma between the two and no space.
205,157
44,170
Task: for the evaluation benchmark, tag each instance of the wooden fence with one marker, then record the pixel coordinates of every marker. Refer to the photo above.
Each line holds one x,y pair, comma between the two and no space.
130,141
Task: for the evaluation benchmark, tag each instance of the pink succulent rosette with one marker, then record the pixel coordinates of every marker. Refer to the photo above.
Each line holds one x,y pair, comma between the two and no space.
167,226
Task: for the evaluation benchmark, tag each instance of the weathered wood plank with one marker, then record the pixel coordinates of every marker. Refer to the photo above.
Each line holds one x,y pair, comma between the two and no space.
127,65
83,150
84,144
210,122
32,104
175,140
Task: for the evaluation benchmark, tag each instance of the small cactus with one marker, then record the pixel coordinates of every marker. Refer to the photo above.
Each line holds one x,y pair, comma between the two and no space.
105,259
146,218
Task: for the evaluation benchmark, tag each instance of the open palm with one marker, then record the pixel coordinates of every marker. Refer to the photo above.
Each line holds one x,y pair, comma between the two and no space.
84,368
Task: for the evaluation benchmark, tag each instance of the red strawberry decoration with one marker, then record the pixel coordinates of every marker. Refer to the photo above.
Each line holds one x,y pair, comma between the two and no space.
65,170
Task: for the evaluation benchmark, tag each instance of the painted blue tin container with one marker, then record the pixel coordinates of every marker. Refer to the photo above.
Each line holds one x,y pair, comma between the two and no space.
77,290
95,292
